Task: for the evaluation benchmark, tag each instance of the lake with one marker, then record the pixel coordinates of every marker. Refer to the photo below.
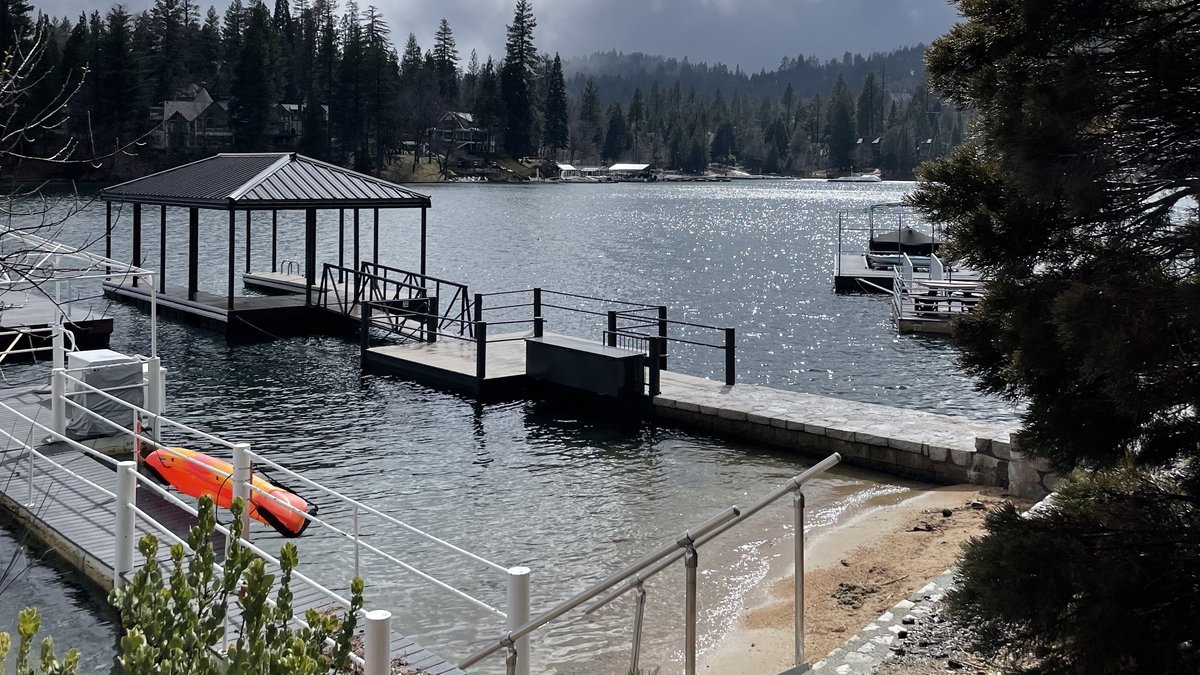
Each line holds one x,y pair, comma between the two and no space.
571,494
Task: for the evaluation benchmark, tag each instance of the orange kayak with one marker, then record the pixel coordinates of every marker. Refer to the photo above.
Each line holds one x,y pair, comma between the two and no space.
206,475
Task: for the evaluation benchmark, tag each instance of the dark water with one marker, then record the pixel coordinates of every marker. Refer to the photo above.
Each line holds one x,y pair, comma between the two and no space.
569,494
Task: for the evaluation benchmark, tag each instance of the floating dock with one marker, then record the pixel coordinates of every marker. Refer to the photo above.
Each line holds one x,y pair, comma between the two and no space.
67,501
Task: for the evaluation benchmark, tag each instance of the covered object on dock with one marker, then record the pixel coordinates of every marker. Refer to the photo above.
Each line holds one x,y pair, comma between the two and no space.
247,183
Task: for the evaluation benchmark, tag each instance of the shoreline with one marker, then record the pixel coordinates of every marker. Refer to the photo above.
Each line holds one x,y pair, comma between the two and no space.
855,572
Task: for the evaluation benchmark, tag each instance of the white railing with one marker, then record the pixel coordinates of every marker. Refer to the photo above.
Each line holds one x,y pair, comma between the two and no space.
632,578
516,611
125,509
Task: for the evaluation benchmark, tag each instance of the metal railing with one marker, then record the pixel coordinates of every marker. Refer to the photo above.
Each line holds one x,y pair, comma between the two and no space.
648,322
634,577
243,465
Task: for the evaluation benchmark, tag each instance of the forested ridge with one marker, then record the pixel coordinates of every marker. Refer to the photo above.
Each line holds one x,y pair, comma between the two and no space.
363,91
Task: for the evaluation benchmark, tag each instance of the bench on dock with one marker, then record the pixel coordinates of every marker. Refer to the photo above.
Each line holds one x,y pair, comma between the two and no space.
586,365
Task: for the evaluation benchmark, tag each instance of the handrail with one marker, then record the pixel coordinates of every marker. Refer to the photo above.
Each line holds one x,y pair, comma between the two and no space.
372,510
570,604
174,501
339,531
682,548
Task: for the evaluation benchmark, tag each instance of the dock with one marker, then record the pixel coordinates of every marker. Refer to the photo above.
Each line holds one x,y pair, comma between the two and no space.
67,499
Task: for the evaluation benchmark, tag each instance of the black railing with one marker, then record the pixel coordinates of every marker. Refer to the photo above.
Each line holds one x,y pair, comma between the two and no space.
455,297
647,345
649,322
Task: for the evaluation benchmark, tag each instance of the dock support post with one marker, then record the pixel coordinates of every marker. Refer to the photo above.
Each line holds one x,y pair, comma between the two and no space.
241,483
375,244
58,401
154,395
355,262
193,252
480,351
478,307
232,262
798,508
124,539
310,254
662,337
364,316
137,240
162,249
539,326
108,235
537,302
249,244
274,240
342,246
431,320
423,239
518,613
691,562
654,365
612,328
377,656
730,356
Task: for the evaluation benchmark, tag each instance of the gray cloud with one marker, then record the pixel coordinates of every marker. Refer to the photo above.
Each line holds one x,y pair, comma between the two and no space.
751,33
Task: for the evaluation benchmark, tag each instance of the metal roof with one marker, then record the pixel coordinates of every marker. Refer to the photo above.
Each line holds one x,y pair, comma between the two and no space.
260,181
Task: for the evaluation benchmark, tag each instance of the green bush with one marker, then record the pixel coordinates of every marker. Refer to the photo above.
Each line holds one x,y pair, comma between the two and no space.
1103,581
28,622
173,626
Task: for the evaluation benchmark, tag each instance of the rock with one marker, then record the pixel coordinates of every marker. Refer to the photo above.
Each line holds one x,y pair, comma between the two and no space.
898,651
946,513
977,505
922,527
845,563
908,620
902,634
954,665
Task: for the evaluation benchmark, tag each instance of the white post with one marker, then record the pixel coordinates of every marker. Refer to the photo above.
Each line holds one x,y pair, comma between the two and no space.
798,508
123,539
58,402
154,397
518,613
356,549
241,483
59,358
154,315
691,563
377,654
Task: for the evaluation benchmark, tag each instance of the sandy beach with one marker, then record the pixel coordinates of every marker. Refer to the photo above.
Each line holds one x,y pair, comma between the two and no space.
855,572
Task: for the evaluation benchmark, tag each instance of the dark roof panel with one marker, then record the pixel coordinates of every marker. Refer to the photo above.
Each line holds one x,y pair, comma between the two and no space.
263,181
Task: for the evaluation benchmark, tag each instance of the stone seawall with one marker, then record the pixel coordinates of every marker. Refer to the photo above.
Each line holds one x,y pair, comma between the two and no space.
908,443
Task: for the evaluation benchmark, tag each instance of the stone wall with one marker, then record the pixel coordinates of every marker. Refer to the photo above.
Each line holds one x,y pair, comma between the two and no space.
992,462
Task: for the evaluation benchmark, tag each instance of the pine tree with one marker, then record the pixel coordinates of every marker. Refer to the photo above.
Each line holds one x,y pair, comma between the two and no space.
122,113
16,25
615,135
253,90
1075,198
445,58
516,76
555,129
840,126
168,49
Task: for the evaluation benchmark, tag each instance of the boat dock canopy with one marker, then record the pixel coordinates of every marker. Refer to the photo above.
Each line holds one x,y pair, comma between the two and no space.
263,181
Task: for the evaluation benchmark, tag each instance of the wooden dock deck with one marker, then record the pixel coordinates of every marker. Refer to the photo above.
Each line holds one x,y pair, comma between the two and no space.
252,317
852,274
78,521
453,364
20,311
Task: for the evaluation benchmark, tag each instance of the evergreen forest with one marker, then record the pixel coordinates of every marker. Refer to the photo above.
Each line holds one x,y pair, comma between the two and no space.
370,96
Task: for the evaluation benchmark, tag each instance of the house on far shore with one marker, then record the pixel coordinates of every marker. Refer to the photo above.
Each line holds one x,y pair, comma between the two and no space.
193,120
633,172
460,132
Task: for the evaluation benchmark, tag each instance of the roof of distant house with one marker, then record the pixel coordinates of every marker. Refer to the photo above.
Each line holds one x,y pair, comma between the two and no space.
629,167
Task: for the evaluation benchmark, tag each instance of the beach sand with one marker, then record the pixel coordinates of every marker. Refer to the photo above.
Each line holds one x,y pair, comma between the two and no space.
855,572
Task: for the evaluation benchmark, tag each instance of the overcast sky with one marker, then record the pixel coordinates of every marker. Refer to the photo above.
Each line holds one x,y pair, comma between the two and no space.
751,33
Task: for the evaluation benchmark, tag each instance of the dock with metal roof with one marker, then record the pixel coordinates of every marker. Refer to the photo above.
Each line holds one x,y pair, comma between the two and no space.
245,184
